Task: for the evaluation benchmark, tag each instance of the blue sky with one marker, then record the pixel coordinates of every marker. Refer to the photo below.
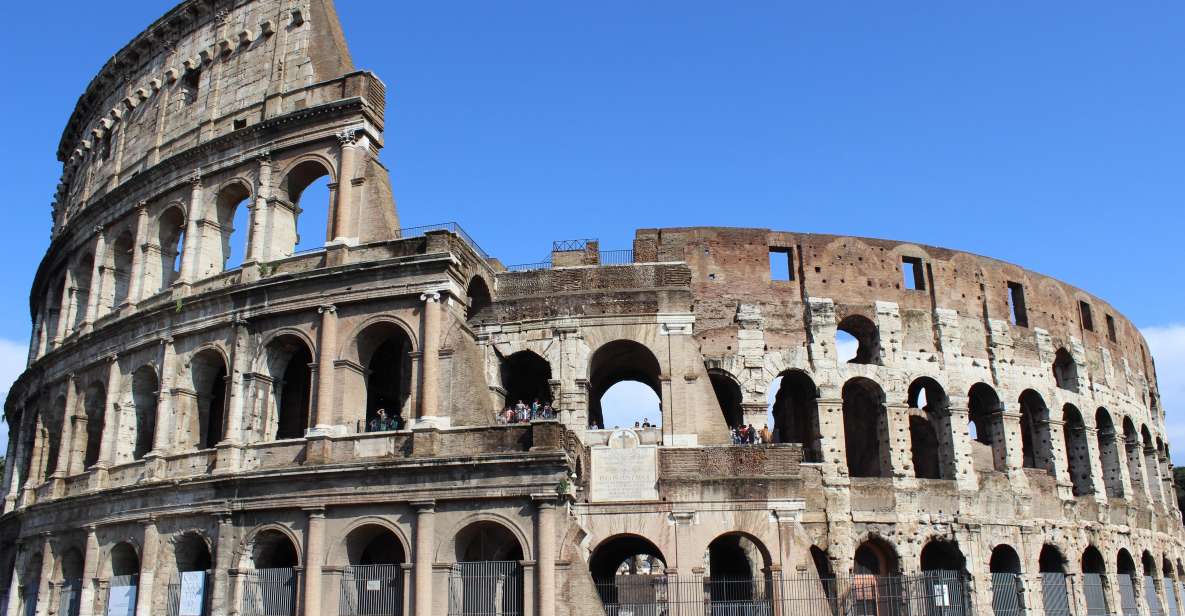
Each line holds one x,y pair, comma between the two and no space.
1048,134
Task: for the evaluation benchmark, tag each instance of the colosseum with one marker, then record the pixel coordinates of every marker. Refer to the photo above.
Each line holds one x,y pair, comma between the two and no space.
339,431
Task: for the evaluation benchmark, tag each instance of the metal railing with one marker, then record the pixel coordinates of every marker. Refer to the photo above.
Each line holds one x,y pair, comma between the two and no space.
270,592
1127,595
451,227
188,594
1152,597
121,595
488,588
570,245
934,593
528,267
70,597
616,257
372,590
1096,594
1055,595
1006,594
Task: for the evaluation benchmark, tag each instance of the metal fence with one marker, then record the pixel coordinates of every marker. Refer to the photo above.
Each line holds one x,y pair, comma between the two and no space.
372,590
1127,595
488,588
70,597
934,593
451,227
1170,597
1055,594
1152,597
1095,593
201,598
617,257
270,592
121,596
1006,594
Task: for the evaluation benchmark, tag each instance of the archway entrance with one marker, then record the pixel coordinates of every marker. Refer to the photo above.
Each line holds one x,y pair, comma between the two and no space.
1055,594
374,582
526,377
487,578
737,567
270,589
123,582
795,411
288,365
612,366
190,587
1006,585
1094,571
630,574
866,430
384,349
208,370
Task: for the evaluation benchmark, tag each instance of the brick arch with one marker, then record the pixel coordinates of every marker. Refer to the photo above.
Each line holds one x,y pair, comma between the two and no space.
243,551
446,548
338,552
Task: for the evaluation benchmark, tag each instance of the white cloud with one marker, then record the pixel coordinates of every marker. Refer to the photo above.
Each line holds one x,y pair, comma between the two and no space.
1167,345
13,357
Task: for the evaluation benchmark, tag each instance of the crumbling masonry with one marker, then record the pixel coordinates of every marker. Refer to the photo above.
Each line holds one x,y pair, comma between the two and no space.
194,429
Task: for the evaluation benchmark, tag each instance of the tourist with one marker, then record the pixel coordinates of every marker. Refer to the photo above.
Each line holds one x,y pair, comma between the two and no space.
380,422
752,432
766,437
646,423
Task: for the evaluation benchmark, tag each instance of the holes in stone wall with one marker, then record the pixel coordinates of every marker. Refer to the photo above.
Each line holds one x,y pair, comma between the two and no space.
861,333
1016,303
1065,370
1087,317
1111,333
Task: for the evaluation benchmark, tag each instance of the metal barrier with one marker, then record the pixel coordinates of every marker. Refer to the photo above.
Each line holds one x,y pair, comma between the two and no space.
1152,597
1055,595
270,592
1170,597
70,597
617,257
188,590
1127,595
372,590
451,227
1006,594
121,596
934,593
1096,594
486,588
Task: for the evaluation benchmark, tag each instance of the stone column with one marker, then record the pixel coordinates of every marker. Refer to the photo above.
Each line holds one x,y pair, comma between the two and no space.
111,415
96,288
1135,464
221,600
63,308
831,438
1058,461
14,586
1098,479
898,442
90,573
66,445
189,251
1152,470
424,538
956,447
136,284
314,554
148,564
326,351
546,552
430,363
345,226
161,440
13,455
258,247
240,364
47,567
35,337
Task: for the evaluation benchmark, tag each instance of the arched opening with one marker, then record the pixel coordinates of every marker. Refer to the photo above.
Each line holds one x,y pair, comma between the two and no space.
795,410
479,300
385,350
866,433
55,311
943,555
611,367
145,393
208,371
983,405
121,586
1094,571
233,218
822,563
305,223
1006,587
1135,457
1151,584
373,581
1125,567
1034,416
1109,453
1055,594
736,567
932,452
191,553
728,396
191,556
124,560
70,591
876,557
629,572
1051,560
1170,585
94,406
271,587
83,270
122,251
171,241
863,331
526,378
1151,464
273,549
53,432
488,554
1077,450
1065,370
289,363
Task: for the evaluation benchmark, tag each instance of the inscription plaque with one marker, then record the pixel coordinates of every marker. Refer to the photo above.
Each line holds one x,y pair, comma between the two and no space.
624,470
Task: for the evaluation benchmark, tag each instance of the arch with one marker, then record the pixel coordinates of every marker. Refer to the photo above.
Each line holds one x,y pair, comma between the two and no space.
932,453
298,223
191,552
272,547
145,393
1166,568
866,430
1077,450
625,554
1151,464
479,299
288,361
208,372
1135,455
822,562
55,308
1065,370
383,348
1124,564
374,544
1034,416
795,413
170,237
737,556
1004,559
983,405
124,560
526,377
867,336
122,252
1108,453
728,396
231,246
70,564
942,555
1148,563
53,428
1051,559
487,540
94,404
81,277
617,361
875,556
1093,561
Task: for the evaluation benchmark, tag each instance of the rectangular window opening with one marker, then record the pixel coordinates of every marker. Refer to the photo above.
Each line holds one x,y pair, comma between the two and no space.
1087,319
915,277
1111,335
781,264
1016,301
240,123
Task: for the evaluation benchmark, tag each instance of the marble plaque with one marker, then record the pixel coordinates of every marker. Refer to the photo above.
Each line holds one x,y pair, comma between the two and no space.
624,471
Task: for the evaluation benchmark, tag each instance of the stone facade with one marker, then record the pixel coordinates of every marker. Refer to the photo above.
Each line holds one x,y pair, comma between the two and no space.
179,415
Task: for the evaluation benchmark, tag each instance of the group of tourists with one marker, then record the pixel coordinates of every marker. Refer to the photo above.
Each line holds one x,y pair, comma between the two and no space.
746,434
523,413
382,423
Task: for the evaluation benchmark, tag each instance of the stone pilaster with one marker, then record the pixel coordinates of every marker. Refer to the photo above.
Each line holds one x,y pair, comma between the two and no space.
430,363
323,422
424,538
148,564
345,226
90,571
136,283
189,252
97,275
545,506
314,555
220,596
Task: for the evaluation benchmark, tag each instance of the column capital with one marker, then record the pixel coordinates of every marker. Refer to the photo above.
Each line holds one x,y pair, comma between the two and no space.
264,157
430,296
315,512
98,228
195,177
424,506
142,206
348,136
326,308
166,340
545,500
